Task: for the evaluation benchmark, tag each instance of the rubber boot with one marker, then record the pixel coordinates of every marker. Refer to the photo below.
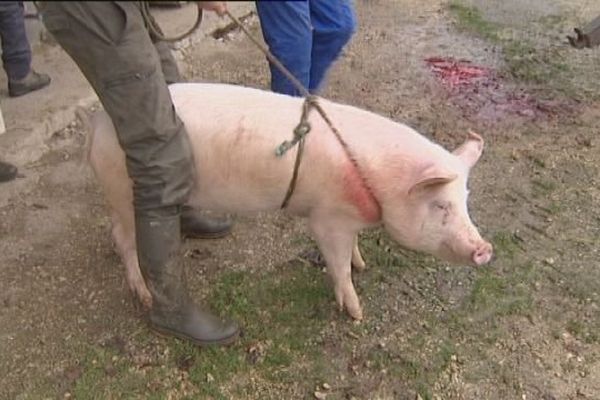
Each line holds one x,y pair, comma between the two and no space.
588,36
173,312
194,225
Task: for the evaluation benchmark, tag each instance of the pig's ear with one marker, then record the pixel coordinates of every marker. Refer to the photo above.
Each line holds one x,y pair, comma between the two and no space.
470,151
431,177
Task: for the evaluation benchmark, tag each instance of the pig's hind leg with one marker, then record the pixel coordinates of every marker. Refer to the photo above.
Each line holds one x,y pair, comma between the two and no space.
112,175
336,240
357,260
123,232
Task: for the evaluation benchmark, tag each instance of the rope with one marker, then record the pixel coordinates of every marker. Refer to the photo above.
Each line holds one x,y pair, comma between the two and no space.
270,56
155,30
300,133
303,127
301,130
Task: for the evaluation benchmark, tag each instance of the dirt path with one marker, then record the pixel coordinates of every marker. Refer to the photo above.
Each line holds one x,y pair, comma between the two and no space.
527,327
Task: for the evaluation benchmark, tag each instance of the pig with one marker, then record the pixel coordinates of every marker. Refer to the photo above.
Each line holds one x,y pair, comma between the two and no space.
397,178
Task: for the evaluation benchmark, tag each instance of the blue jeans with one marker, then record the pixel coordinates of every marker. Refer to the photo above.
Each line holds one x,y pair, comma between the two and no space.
306,36
16,52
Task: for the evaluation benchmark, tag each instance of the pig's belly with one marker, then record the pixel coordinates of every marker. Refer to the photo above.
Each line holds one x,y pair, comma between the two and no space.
243,183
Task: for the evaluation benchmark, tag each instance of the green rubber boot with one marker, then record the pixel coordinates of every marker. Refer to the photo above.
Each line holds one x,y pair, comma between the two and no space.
173,312
196,226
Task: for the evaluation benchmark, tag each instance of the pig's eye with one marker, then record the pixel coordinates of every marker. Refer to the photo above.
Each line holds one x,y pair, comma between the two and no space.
442,206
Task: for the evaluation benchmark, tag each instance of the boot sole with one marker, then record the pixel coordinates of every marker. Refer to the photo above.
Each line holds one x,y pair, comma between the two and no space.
203,343
215,235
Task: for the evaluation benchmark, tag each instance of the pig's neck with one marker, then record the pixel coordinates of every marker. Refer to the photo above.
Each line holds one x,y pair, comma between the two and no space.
358,192
387,154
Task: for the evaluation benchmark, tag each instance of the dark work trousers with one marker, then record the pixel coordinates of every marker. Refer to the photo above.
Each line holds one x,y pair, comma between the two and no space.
126,67
306,36
16,52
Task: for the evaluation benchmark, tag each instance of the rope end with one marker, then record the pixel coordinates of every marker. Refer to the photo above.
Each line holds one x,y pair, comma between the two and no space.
282,148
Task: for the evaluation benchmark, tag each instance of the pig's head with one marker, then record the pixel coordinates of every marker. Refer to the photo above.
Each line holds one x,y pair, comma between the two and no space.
430,214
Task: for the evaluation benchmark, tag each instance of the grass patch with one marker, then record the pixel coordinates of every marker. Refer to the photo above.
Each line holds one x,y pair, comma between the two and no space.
530,63
543,187
493,295
382,252
506,245
104,373
281,314
552,21
421,370
470,19
525,60
586,331
294,339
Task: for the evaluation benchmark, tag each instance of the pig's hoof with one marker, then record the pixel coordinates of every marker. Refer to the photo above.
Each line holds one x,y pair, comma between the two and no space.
145,297
349,300
356,314
142,294
358,262
359,266
137,285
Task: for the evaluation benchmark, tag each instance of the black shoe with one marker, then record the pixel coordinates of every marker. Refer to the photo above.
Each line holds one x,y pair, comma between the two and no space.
196,226
8,172
33,81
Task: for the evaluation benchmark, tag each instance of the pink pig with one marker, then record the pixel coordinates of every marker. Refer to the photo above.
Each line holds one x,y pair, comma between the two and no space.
415,188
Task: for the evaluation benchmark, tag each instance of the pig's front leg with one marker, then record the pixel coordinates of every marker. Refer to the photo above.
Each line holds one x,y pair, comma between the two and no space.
357,260
336,240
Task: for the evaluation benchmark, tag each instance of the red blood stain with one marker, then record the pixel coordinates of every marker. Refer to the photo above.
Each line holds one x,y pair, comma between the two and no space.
357,193
454,73
481,93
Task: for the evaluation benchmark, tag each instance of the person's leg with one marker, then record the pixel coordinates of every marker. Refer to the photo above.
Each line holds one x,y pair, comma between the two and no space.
287,31
334,22
193,224
16,52
134,93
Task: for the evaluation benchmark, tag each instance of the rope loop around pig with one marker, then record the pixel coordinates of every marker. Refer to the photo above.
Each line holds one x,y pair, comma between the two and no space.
303,128
300,132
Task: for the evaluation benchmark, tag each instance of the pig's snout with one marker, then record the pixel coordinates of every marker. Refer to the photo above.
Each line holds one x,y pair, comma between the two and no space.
483,254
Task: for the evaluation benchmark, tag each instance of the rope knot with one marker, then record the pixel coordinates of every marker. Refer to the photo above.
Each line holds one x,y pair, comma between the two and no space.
301,130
